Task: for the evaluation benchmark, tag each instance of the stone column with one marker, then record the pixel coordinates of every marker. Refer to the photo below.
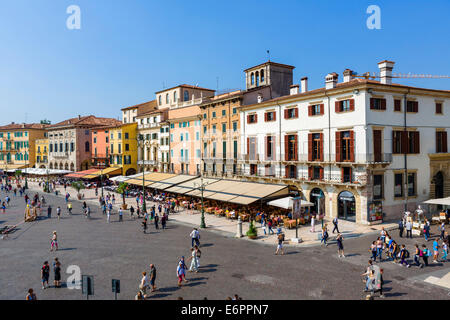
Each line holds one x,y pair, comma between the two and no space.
239,228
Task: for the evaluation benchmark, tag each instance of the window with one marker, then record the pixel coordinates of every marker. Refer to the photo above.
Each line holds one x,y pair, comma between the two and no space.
315,110
86,146
345,146
119,135
315,146
224,149
214,114
378,187
187,136
204,116
377,104
224,113
270,147
439,108
167,98
159,100
257,78
441,141
252,78
397,105
184,124
412,106
175,97
413,142
397,142
95,140
120,148
204,129
291,172
224,127
214,150
197,136
398,185
214,128
127,147
61,147
186,95
270,116
405,142
235,126
412,184
346,173
291,147
252,118
181,137
235,149
345,105
50,148
198,153
126,135
291,113
66,147
262,75
234,110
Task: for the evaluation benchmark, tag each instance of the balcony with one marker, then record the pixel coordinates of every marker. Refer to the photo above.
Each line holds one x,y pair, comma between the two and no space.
59,155
359,159
100,156
192,102
146,162
149,125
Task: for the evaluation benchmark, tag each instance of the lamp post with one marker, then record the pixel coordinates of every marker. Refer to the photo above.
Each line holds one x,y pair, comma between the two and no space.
142,140
201,186
101,179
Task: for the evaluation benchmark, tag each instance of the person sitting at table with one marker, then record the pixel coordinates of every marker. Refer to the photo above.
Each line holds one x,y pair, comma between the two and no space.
290,215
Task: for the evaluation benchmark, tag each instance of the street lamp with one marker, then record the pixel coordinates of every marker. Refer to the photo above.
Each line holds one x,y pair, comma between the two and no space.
142,140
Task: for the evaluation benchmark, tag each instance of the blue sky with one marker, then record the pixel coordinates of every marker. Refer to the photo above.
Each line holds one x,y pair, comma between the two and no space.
127,50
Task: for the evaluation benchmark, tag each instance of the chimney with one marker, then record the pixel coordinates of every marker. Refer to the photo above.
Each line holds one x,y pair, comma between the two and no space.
304,83
386,71
260,98
12,122
294,89
331,80
79,117
348,75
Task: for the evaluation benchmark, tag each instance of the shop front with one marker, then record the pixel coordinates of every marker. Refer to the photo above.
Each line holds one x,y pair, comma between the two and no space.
346,206
317,197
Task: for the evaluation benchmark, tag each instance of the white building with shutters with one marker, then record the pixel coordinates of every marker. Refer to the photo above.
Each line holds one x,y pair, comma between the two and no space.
359,149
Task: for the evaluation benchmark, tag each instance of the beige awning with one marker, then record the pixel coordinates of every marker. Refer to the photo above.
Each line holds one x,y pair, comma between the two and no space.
190,185
151,178
167,183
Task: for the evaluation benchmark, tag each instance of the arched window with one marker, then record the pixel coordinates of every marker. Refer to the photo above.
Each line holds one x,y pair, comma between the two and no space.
186,95
72,167
26,156
167,98
51,165
262,76
257,78
159,100
175,97
66,166
253,78
86,146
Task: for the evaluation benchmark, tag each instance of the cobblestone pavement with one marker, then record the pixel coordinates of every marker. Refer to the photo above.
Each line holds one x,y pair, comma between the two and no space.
228,266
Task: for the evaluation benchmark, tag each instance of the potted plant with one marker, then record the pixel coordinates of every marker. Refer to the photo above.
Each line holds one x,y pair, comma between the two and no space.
123,186
78,185
252,232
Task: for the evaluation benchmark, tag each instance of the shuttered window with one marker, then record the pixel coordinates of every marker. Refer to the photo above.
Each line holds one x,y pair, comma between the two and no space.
397,105
412,106
291,113
441,141
345,105
377,104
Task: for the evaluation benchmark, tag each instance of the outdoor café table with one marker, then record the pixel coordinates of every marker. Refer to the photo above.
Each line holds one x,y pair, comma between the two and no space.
291,223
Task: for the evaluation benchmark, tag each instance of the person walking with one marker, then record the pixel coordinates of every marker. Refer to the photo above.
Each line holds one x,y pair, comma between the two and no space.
69,207
367,274
49,212
442,230
400,228
180,274
324,235
194,260
426,230
417,254
143,286
57,271
108,216
435,251
31,295
120,215
280,239
4,207
313,223
373,250
444,251
132,212
45,274
404,254
195,237
269,226
426,253
144,225
335,224
409,229
156,221
153,277
54,242
340,245
58,212
163,221
380,249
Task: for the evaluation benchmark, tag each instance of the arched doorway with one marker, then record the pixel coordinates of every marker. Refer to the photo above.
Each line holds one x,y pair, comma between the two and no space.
72,167
439,187
318,198
130,172
346,206
61,167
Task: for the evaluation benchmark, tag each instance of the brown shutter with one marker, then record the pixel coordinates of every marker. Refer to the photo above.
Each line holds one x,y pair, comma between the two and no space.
321,173
352,104
310,147
309,110
248,147
383,104
342,174
336,107
265,116
416,142
322,107
321,148
416,106
267,147
296,113
286,148
338,146
285,113
437,141
404,142
274,116
351,175
352,146
372,103
286,171
295,148
256,118
248,118
310,173
444,141
397,105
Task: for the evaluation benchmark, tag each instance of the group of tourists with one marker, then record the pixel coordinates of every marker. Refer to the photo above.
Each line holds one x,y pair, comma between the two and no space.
45,274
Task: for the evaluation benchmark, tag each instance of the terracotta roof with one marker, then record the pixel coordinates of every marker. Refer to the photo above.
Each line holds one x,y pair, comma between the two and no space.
137,106
271,63
186,86
147,107
17,126
155,111
343,85
223,97
91,120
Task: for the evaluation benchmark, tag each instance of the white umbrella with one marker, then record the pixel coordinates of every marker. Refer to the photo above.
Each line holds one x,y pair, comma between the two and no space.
286,203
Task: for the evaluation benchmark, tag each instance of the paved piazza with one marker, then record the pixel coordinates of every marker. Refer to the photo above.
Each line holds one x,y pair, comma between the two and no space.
229,266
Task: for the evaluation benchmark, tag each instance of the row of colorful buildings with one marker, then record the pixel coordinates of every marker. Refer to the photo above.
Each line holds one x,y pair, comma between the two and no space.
354,148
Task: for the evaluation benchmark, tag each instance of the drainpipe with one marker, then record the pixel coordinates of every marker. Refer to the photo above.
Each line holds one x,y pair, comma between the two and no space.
405,155
329,137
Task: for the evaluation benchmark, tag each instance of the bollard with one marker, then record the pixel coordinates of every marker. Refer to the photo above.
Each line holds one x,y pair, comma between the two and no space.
239,228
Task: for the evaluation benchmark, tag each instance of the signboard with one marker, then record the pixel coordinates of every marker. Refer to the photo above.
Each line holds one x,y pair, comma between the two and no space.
87,287
296,208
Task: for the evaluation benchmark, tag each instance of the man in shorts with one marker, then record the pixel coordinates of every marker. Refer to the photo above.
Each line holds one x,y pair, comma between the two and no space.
280,243
45,274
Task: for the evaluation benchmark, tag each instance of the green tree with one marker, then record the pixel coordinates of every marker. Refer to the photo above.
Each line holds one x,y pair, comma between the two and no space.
123,186
252,231
78,185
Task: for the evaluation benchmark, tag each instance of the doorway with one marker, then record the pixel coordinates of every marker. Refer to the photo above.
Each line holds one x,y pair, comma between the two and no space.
346,206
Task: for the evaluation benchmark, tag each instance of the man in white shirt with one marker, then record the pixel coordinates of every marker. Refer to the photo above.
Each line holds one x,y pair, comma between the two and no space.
195,236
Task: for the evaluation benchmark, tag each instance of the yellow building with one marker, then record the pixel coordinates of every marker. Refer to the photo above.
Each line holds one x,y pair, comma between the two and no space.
123,150
18,145
41,160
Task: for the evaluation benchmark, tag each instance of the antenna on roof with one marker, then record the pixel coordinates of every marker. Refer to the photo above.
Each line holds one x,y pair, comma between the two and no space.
164,85
217,79
26,117
268,55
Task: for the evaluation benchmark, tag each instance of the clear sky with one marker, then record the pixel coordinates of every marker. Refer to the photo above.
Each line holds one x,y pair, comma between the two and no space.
125,51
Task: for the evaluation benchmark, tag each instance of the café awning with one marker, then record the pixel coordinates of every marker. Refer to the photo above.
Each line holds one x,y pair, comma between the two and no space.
105,172
287,202
172,181
441,201
150,178
80,174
